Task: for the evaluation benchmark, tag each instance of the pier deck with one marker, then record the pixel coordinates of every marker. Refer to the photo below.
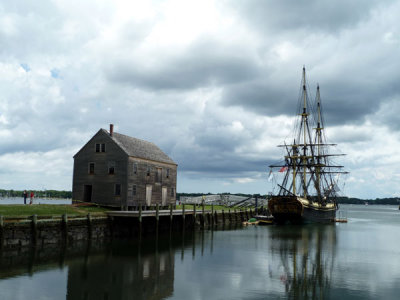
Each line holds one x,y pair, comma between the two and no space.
153,213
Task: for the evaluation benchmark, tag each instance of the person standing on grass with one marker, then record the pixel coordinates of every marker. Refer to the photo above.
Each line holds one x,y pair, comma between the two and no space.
25,195
32,195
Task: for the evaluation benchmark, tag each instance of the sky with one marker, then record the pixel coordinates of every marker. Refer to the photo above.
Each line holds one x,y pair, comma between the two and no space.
213,83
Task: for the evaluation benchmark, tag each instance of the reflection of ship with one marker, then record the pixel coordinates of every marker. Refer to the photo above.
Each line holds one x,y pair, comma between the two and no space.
307,257
309,188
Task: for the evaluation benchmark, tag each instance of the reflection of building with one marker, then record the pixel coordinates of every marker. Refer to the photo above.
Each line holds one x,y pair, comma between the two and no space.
122,277
115,169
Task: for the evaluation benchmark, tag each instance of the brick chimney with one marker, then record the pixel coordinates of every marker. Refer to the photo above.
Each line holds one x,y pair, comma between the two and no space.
111,129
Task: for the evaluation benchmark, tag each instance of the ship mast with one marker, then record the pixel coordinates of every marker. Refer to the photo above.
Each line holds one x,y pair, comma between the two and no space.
304,120
318,131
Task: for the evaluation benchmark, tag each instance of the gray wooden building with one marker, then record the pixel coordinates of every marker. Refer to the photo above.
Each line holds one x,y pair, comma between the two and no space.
119,170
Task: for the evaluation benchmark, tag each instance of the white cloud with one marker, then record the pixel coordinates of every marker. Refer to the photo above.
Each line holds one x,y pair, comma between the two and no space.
212,83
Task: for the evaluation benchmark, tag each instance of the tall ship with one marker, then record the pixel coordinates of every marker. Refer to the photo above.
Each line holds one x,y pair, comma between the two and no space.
309,188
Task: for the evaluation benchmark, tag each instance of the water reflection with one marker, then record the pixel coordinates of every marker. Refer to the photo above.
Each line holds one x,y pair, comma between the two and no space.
128,270
358,260
306,259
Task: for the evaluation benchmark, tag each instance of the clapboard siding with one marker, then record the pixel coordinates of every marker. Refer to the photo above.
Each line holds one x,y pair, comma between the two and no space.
103,184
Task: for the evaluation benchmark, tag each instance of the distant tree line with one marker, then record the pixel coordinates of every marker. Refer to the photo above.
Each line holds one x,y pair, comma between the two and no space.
341,200
41,194
348,200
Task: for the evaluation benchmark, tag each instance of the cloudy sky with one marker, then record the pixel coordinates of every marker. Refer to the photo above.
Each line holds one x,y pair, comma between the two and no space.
213,83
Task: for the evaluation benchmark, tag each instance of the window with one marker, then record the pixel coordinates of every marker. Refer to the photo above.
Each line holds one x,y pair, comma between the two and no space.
100,147
172,192
118,189
158,174
111,167
134,168
148,170
167,174
91,168
134,190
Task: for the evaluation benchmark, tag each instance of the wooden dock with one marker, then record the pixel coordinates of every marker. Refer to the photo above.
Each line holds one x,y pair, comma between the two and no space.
153,213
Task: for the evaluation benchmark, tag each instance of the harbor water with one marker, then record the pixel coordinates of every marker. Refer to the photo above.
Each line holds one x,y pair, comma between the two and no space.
20,200
355,260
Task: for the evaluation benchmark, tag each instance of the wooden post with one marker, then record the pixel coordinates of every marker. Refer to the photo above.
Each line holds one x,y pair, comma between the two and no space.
183,216
234,211
212,214
89,225
140,221
64,228
223,217
157,212
1,232
157,218
229,215
194,216
34,229
202,215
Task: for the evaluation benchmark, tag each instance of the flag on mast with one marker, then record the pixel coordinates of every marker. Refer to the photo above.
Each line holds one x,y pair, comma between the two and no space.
270,176
283,169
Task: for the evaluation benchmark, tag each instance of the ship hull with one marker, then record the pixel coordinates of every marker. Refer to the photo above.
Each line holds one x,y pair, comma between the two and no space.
296,210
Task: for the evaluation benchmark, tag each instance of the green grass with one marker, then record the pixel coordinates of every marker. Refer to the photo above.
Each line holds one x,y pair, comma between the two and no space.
20,210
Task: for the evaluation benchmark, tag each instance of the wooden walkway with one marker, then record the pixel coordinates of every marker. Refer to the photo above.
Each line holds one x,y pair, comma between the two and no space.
153,213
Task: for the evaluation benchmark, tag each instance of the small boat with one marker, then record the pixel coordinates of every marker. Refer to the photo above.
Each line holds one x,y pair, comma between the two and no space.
265,220
252,221
309,187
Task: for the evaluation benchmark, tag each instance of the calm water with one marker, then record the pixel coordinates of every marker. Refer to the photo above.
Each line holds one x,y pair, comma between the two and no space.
20,200
357,260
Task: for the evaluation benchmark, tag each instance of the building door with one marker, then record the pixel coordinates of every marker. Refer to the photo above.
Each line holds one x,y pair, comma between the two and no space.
149,189
164,196
87,193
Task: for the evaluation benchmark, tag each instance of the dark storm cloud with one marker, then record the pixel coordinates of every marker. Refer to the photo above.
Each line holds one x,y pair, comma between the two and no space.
316,15
206,62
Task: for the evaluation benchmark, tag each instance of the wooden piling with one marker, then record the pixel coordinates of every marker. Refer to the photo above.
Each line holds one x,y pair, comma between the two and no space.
194,216
89,226
183,216
223,217
212,214
64,228
202,215
140,222
157,217
34,229
1,231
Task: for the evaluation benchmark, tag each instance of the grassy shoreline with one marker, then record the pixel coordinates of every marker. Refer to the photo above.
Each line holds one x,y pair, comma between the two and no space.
22,210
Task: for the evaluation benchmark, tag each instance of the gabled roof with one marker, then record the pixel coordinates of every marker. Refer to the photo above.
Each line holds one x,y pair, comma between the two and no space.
140,148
